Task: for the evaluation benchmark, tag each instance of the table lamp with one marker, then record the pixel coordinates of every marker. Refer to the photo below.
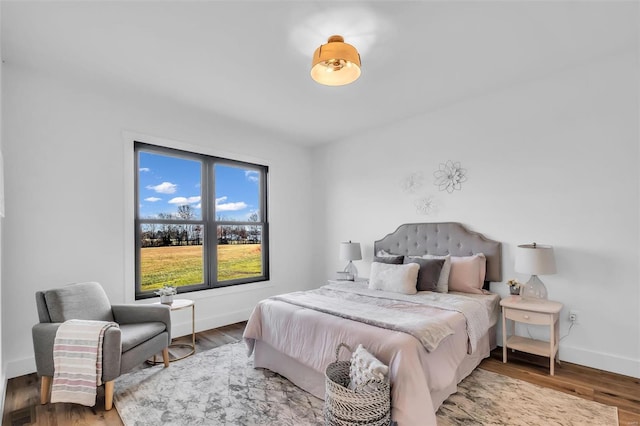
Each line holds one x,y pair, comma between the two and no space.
350,251
535,259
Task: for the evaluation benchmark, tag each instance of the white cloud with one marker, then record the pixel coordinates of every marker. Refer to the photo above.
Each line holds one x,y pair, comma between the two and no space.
152,199
178,200
229,207
183,200
164,188
145,169
252,175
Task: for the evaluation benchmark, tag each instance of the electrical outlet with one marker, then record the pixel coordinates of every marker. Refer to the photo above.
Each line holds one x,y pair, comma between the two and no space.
573,316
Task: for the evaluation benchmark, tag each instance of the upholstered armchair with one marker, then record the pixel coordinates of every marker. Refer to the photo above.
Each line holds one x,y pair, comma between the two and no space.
144,330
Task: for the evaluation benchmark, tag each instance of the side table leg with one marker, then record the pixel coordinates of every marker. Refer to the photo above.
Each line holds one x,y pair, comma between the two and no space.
504,338
552,353
193,326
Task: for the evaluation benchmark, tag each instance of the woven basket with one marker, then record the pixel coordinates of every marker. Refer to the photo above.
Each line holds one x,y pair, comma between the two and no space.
345,407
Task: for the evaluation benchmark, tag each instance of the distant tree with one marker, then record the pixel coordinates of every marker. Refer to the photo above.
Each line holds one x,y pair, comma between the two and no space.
166,229
222,234
197,234
151,234
254,230
186,212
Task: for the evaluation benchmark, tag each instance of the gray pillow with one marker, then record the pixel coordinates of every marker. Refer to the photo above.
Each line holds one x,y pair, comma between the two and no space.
392,260
428,274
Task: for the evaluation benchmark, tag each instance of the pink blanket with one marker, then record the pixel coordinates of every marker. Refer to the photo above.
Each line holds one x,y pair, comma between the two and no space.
395,311
420,380
77,360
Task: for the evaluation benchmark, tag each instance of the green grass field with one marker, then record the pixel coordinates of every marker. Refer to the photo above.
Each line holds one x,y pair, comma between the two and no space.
183,265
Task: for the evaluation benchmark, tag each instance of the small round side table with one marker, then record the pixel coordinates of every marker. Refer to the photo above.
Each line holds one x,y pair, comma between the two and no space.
177,305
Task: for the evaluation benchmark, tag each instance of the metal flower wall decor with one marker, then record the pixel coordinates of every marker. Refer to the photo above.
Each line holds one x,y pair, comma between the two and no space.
450,176
425,206
412,182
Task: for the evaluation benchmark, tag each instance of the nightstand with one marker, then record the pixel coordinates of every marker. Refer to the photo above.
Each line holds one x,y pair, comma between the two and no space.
536,312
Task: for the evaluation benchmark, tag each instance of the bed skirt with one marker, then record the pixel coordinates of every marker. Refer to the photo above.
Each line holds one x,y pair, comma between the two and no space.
312,381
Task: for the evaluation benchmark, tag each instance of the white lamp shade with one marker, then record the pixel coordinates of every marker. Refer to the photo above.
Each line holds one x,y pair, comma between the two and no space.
350,251
535,259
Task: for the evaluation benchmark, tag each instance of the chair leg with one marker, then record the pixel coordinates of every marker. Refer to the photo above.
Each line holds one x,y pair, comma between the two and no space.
108,395
165,357
45,387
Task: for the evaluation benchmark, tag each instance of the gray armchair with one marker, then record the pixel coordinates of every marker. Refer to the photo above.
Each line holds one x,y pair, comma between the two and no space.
144,331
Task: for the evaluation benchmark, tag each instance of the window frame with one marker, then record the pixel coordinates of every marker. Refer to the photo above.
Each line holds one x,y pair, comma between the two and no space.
208,218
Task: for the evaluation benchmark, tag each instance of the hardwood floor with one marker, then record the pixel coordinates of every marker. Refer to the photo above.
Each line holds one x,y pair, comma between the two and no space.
588,383
22,403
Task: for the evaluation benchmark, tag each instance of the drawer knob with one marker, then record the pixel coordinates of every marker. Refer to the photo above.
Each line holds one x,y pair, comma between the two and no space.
526,317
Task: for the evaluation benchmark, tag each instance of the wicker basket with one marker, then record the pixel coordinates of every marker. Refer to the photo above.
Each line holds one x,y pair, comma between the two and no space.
345,407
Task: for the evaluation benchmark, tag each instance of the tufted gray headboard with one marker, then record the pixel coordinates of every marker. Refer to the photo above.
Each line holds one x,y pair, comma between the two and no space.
416,239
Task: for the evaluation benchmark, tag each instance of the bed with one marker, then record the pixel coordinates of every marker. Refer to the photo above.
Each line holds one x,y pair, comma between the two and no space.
298,341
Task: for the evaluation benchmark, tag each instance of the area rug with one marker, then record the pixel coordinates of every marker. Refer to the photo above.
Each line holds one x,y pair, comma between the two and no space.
221,387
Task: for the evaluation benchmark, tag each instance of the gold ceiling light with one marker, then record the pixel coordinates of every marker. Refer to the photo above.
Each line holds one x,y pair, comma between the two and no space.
335,63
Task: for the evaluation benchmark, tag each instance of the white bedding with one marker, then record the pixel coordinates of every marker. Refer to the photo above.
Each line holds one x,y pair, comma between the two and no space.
306,340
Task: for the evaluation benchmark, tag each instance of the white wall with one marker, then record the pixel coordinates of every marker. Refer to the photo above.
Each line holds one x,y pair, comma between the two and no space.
553,161
3,369
70,200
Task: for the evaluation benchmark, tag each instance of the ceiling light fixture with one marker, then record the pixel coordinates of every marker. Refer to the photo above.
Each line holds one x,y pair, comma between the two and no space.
335,63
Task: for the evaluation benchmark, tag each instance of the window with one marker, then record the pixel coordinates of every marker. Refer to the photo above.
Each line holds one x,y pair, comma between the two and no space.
201,221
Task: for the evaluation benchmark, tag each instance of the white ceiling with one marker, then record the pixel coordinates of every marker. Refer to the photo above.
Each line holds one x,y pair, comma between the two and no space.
251,60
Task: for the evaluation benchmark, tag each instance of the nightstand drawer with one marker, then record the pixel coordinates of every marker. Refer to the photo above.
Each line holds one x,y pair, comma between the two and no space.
528,317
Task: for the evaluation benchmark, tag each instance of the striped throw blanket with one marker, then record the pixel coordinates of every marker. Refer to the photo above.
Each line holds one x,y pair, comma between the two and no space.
77,360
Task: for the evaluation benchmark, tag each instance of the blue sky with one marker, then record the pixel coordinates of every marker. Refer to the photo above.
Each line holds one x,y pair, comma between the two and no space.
166,182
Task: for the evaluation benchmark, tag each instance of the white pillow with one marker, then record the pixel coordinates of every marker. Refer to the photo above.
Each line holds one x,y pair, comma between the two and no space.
395,278
443,281
382,253
363,368
467,273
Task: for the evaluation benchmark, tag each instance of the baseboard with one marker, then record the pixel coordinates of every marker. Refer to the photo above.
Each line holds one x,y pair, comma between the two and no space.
3,390
183,327
24,366
20,367
601,360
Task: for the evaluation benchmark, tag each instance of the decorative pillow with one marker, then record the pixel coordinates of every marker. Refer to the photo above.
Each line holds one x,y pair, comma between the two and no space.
395,278
394,260
428,274
443,281
383,253
467,273
363,368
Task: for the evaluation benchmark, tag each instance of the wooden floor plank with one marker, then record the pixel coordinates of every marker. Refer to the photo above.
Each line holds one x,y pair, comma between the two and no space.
585,382
22,402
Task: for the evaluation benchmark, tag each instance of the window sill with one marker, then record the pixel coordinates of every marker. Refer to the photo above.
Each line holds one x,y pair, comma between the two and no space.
223,291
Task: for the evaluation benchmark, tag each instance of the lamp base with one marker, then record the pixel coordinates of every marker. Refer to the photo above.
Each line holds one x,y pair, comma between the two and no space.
534,289
352,271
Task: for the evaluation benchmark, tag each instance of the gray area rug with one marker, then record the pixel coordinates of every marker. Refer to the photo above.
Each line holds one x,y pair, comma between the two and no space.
221,387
